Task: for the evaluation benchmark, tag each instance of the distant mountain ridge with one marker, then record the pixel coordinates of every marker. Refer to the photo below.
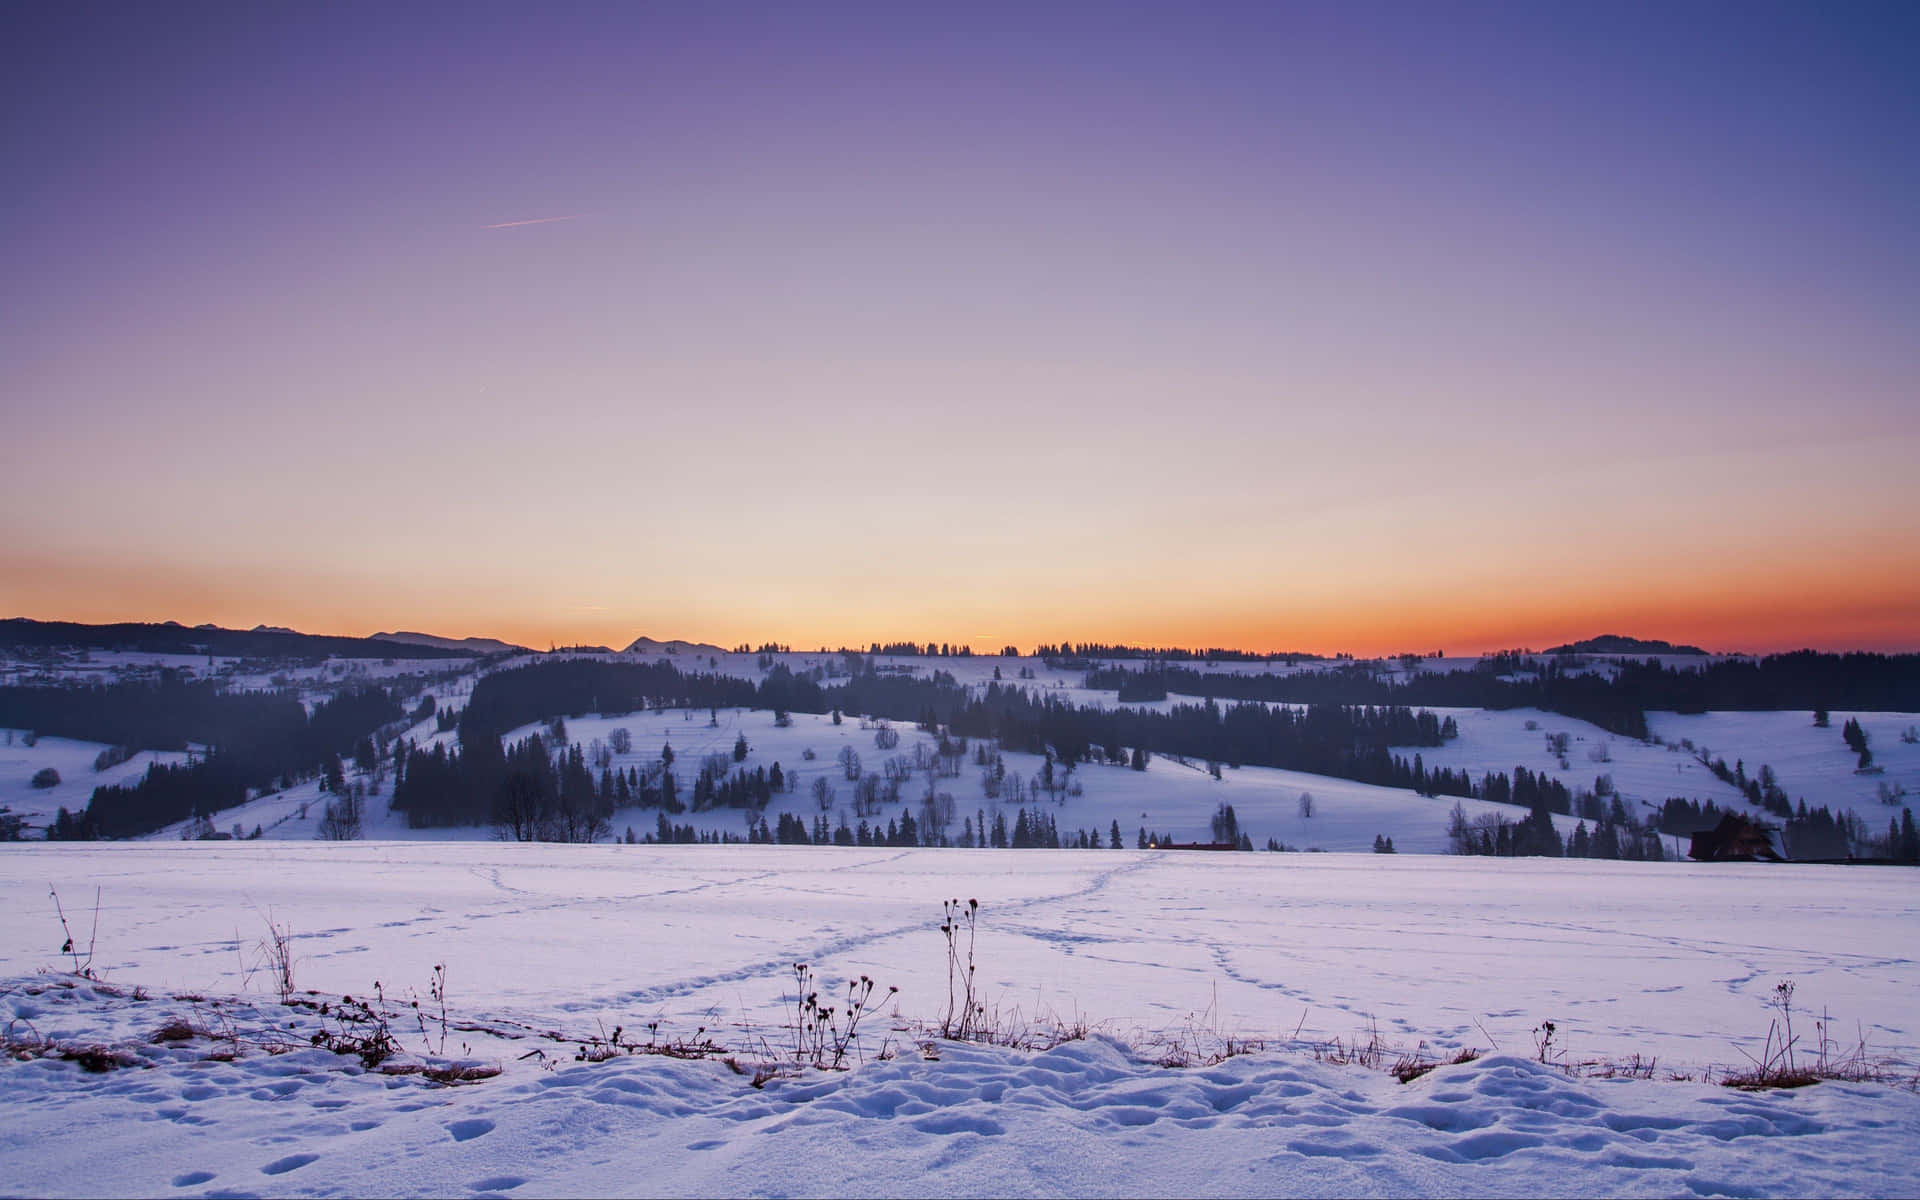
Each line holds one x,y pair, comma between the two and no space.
1614,643
470,645
647,645
171,637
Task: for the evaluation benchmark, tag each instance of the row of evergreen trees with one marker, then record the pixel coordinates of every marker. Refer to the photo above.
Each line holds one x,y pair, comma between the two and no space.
1035,830
1102,650
1588,697
1534,835
1618,701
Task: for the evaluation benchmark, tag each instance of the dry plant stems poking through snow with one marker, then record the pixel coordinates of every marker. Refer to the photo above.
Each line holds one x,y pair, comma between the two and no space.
83,969
358,1028
276,950
437,993
1778,1067
820,1037
1201,1042
1543,1042
964,1010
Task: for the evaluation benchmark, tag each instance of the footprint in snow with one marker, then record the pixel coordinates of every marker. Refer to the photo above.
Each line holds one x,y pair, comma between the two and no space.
497,1183
466,1131
191,1178
292,1162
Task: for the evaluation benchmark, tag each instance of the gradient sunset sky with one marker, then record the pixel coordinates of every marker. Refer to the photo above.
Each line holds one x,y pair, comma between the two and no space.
1348,327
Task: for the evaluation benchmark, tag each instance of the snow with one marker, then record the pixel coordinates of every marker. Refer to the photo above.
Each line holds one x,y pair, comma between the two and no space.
1151,949
74,760
1811,761
1812,764
1168,797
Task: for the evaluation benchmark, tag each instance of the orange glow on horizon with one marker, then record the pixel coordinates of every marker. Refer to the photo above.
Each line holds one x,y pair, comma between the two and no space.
1873,611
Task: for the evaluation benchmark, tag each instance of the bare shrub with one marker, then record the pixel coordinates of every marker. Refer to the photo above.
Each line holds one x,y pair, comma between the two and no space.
824,1034
961,1022
276,953
83,969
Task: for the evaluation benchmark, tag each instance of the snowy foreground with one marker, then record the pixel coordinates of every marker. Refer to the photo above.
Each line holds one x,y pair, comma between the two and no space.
1163,955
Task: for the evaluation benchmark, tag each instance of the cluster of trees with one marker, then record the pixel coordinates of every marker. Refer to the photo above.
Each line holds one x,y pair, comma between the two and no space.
169,792
668,834
256,739
1036,830
1856,739
536,790
1902,842
1681,817
1101,650
916,650
550,798
1527,790
165,714
1762,790
1815,833
508,699
1492,834
713,787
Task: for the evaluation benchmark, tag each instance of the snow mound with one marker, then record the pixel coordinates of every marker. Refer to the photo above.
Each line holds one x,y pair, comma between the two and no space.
1086,1117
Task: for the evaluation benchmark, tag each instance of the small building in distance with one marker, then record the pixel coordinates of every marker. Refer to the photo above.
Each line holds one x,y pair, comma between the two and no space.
1736,838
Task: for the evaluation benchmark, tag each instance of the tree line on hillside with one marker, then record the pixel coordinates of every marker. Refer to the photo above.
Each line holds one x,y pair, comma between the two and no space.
1804,679
255,740
1071,652
1346,741
1588,697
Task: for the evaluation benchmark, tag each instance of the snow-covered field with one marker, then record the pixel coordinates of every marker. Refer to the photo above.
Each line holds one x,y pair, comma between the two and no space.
1152,949
73,761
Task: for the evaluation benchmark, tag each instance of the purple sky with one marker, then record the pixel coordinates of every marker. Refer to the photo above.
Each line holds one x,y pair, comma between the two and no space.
1375,328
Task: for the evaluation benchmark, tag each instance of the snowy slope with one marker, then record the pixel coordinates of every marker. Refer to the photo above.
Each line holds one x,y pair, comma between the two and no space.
1811,762
1169,797
74,760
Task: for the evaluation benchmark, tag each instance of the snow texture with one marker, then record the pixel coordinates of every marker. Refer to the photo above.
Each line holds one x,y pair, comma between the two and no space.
1149,948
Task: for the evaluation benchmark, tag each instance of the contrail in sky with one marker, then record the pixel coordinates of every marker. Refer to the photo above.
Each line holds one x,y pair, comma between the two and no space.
534,221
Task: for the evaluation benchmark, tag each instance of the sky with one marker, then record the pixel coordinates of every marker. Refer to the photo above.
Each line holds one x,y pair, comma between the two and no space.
1373,327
